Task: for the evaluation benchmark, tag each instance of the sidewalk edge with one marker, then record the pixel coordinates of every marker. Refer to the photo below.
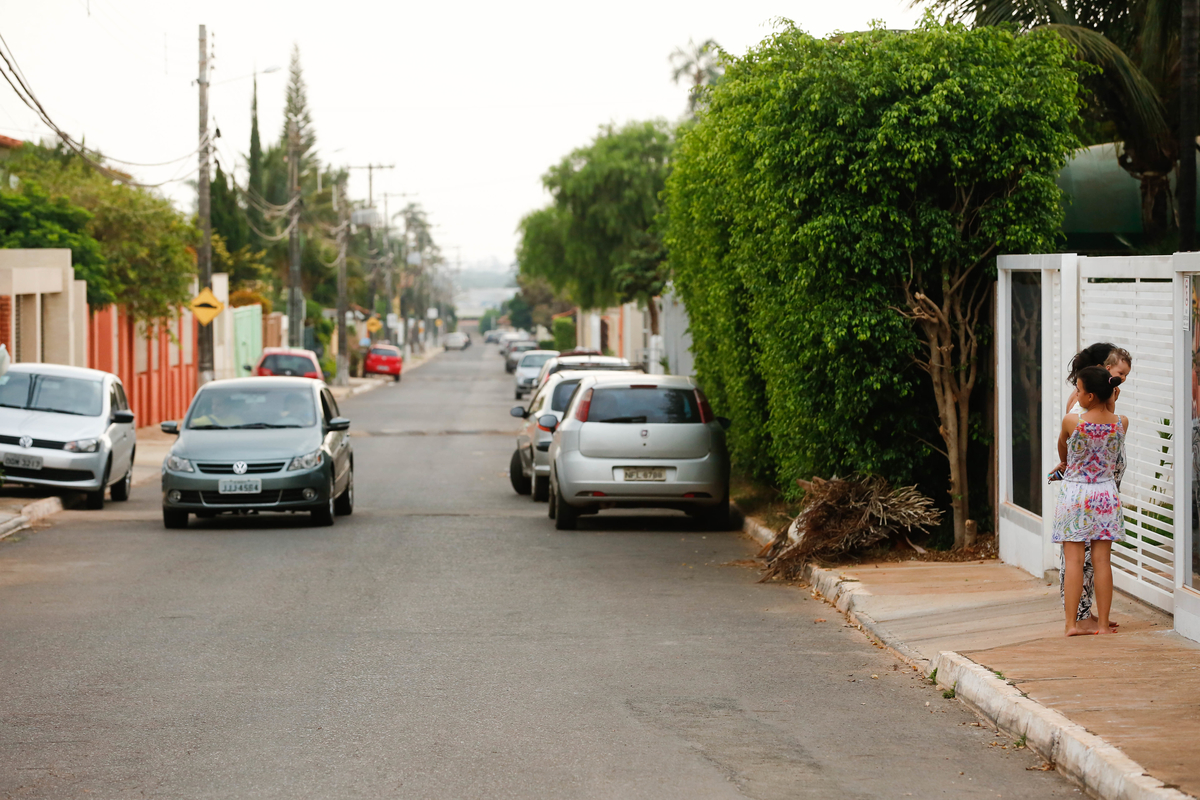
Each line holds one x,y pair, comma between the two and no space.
1085,759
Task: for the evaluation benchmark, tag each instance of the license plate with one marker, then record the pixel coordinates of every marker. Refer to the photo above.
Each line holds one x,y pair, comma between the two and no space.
22,461
645,474
239,486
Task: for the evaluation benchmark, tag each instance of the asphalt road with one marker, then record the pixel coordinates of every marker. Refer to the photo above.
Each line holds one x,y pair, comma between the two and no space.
446,642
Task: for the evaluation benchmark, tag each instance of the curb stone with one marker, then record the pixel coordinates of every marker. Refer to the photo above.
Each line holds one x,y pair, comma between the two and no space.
31,513
1085,759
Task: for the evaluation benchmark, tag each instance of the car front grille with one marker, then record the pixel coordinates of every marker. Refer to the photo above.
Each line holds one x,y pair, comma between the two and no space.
269,498
50,474
45,444
226,468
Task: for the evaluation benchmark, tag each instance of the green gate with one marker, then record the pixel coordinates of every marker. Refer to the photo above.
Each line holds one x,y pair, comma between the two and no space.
247,338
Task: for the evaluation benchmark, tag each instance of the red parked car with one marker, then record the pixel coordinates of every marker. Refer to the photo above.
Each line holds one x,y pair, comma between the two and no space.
384,359
288,361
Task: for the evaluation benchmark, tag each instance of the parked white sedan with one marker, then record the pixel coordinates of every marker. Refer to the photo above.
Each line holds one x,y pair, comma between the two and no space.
638,441
67,427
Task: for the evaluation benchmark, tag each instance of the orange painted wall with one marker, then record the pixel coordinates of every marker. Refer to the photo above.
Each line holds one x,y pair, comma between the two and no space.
161,391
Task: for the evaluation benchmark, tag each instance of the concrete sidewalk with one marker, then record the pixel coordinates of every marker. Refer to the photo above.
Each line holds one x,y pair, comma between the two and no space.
1118,714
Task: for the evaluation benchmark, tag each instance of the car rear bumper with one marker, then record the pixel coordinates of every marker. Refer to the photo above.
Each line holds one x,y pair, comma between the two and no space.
281,491
690,483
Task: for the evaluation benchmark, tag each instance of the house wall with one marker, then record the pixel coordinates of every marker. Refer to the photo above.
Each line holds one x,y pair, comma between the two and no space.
43,311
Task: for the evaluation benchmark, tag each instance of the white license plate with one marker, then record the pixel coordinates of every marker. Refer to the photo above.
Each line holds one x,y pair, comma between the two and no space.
239,486
22,461
645,474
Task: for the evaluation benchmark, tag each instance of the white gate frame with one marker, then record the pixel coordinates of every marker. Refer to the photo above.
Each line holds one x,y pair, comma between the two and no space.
1078,304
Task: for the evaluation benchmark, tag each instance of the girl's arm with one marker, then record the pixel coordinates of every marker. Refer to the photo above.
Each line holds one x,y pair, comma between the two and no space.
1125,423
1068,425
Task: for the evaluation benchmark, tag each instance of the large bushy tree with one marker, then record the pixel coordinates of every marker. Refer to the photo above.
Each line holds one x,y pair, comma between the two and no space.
598,242
842,201
30,218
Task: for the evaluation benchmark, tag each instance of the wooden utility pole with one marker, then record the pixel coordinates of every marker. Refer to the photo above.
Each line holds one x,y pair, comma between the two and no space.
1186,184
204,355
295,294
370,168
343,350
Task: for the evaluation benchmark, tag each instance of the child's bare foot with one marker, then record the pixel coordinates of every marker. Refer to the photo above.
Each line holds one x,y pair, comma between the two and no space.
1107,629
1088,624
1096,621
1079,631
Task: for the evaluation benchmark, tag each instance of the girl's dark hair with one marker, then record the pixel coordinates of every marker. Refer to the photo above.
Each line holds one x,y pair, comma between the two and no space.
1091,356
1097,381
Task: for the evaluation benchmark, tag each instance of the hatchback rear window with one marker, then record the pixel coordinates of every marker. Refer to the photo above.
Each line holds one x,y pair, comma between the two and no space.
562,395
384,351
620,404
282,364
535,359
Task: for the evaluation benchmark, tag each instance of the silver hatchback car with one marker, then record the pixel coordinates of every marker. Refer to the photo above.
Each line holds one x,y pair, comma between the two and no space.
638,441
67,427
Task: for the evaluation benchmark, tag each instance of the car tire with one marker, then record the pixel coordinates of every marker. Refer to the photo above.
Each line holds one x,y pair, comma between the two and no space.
396,378
174,518
122,488
716,518
516,475
322,515
566,517
552,503
344,505
541,489
518,395
95,500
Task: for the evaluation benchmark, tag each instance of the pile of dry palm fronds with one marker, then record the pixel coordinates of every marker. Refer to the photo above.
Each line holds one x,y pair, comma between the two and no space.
841,518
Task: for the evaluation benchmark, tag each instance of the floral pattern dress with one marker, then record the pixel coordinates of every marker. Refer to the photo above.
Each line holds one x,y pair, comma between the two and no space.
1089,507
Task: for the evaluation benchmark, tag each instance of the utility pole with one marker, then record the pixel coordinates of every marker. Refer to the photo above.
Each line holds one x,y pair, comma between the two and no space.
343,357
370,168
390,273
295,295
1185,186
204,360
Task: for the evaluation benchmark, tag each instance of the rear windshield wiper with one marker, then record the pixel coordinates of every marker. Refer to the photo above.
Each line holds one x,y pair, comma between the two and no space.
624,419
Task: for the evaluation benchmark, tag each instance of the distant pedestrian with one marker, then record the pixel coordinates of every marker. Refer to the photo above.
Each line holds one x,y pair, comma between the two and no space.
1089,507
1118,362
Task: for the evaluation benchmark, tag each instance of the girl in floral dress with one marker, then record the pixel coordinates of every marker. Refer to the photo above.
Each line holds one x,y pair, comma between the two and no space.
1089,508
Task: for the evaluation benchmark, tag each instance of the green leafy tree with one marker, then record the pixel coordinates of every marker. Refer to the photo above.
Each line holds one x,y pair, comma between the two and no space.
228,217
855,191
254,181
564,333
147,245
30,218
1135,89
598,243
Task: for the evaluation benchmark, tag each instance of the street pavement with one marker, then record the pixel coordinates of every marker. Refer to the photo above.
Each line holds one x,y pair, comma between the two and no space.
446,642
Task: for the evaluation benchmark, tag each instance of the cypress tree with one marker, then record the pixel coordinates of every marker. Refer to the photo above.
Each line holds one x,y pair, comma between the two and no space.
255,181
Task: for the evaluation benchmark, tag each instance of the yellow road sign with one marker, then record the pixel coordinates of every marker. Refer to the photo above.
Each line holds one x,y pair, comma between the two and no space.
206,306
373,324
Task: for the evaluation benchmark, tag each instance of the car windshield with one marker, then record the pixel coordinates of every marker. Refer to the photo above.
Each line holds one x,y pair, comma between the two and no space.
81,396
638,405
288,364
562,395
384,351
535,359
253,407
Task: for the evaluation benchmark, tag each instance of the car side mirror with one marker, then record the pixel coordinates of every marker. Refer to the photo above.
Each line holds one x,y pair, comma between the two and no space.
725,422
123,417
171,426
518,411
548,422
339,424
248,368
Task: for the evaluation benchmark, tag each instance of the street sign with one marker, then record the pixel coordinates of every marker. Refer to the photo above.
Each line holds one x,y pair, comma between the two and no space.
205,306
373,324
431,312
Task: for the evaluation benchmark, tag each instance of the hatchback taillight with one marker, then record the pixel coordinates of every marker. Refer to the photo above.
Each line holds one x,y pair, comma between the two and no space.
585,405
312,375
263,372
706,412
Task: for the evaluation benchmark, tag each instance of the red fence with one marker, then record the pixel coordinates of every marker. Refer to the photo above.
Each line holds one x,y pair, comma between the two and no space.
158,370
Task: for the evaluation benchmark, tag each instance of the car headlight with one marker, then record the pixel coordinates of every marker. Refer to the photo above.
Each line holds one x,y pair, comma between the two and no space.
306,461
82,446
177,464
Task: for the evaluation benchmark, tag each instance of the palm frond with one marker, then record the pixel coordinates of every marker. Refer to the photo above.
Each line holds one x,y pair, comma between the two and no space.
1140,106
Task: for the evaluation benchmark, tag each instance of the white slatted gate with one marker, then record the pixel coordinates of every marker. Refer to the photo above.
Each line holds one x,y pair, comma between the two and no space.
1129,302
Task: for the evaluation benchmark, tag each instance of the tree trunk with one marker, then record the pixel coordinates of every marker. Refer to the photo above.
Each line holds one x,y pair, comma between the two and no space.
652,307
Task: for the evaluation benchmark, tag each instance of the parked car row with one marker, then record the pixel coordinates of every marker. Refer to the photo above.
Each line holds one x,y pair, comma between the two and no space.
600,433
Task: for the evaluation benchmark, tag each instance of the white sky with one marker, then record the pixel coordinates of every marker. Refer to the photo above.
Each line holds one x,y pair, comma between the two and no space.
471,101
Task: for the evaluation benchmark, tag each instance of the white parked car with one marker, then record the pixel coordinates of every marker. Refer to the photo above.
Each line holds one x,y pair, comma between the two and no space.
638,441
525,374
67,427
456,340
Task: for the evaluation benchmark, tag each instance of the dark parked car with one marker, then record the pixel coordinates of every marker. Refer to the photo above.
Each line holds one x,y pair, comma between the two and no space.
259,444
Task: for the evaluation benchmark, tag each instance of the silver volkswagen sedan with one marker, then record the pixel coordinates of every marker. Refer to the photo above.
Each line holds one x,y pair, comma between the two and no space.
638,441
259,444
67,427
